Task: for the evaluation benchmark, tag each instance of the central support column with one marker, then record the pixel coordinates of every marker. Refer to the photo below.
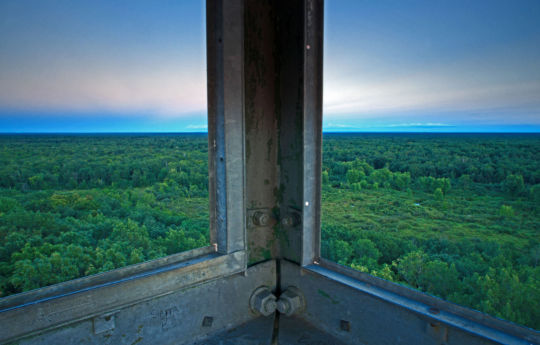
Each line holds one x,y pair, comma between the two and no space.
283,110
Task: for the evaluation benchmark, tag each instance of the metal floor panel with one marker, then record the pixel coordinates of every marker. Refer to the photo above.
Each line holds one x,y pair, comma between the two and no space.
294,331
256,332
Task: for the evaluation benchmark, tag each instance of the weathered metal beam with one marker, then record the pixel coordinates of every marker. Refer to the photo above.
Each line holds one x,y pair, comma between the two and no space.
58,310
360,309
262,174
65,288
189,315
313,102
225,65
300,126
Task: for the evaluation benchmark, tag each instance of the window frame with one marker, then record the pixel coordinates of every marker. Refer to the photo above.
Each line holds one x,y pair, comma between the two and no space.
224,257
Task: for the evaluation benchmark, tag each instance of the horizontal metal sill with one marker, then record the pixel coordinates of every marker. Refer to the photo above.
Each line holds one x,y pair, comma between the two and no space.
434,308
87,297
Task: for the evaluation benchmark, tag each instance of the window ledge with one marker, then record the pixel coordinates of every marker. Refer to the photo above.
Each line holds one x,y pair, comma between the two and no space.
64,303
451,314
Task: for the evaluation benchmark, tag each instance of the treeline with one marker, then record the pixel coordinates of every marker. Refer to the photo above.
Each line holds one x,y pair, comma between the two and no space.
97,161
465,234
481,158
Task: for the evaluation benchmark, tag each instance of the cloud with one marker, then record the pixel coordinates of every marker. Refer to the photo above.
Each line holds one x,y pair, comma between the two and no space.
424,94
338,125
488,91
197,127
420,124
167,91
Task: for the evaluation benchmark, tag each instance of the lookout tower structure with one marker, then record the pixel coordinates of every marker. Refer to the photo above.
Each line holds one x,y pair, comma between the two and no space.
262,281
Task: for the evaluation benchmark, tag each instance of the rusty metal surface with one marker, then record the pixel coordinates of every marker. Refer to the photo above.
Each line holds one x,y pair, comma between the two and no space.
291,131
360,313
262,177
283,116
187,315
39,315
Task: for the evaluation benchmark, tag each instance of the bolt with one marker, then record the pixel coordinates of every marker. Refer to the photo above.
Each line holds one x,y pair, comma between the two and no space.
269,306
261,218
262,301
283,306
291,301
291,220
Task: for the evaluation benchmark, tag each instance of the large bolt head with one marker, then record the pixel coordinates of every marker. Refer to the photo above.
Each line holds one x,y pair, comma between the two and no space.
283,306
291,301
262,301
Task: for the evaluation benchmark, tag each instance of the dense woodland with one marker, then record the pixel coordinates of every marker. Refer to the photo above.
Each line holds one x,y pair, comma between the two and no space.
454,215
71,206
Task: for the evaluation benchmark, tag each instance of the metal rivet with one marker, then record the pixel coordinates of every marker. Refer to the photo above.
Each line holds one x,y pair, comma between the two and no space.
345,325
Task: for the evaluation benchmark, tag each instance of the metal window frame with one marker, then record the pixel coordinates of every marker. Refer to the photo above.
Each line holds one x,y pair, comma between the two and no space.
312,107
60,304
226,164
422,304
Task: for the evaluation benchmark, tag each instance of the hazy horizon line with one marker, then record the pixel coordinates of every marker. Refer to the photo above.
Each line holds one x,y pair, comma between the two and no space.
329,132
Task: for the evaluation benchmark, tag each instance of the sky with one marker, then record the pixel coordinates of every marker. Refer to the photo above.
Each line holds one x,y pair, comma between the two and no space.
389,65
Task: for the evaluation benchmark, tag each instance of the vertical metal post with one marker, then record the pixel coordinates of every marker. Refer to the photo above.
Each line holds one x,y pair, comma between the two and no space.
300,70
265,118
313,82
225,37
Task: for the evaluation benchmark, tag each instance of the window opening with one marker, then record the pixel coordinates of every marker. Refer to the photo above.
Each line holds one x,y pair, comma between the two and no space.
103,151
430,149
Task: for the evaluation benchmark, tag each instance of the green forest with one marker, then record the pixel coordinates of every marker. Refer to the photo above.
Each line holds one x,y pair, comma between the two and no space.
71,206
454,215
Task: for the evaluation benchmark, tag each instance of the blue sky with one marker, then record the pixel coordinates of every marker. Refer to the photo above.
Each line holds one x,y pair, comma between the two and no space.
136,65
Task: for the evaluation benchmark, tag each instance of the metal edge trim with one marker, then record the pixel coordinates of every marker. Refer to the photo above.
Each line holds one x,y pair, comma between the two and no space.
453,315
57,311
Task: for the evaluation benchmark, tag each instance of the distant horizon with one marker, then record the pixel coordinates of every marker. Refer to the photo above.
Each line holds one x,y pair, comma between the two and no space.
324,132
196,122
